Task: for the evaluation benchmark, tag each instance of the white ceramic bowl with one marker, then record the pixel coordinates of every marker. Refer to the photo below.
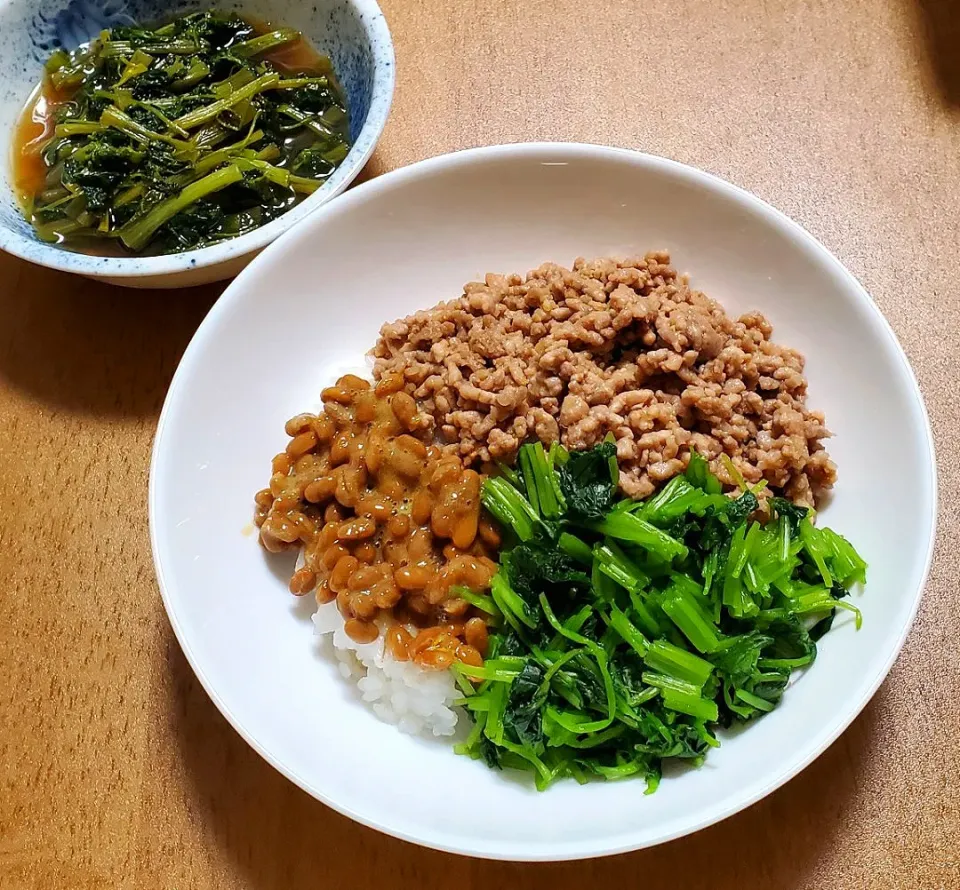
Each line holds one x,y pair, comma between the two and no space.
310,306
352,32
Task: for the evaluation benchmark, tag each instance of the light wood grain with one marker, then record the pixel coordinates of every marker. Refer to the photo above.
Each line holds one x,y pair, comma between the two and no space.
115,769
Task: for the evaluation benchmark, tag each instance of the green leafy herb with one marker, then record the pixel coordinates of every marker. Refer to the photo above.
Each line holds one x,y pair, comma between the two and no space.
588,481
632,630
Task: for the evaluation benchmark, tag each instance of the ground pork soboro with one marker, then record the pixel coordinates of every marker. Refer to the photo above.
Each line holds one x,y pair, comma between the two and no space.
623,347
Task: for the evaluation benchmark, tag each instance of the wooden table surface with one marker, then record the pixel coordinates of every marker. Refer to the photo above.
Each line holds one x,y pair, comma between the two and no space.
116,771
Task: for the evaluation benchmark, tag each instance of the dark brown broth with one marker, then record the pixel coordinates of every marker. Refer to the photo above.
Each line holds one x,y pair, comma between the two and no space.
34,127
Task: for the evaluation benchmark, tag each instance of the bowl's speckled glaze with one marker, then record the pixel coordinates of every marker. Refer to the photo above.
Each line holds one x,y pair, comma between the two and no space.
352,32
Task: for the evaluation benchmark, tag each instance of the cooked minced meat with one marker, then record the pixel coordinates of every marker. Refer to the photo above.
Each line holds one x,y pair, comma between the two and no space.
623,347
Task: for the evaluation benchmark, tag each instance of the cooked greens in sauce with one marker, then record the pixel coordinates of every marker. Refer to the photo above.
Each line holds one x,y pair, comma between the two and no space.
161,140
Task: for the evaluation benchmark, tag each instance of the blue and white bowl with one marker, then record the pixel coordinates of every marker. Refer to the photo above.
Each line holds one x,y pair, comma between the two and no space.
352,32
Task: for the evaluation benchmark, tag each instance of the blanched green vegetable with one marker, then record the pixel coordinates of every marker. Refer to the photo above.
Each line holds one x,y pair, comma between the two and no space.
631,630
177,137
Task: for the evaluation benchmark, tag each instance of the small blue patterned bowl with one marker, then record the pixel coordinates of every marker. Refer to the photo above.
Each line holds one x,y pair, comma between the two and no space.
352,32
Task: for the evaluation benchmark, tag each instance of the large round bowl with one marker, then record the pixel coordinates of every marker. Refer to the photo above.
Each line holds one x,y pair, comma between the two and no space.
311,305
352,32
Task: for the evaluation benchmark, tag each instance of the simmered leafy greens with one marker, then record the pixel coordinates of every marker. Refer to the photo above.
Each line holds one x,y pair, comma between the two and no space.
177,137
630,630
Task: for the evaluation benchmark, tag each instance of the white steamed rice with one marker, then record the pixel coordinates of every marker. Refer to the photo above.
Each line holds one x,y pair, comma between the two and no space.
417,700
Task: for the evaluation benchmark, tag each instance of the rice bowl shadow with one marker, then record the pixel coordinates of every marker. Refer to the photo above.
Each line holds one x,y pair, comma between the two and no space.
102,354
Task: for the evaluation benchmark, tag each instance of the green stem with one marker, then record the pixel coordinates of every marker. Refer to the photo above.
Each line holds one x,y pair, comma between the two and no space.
304,185
207,113
265,42
576,548
312,123
510,508
668,659
140,230
119,120
77,128
626,527
113,48
293,83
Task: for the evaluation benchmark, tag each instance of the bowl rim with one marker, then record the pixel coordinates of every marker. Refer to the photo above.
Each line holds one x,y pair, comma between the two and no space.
381,99
558,151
